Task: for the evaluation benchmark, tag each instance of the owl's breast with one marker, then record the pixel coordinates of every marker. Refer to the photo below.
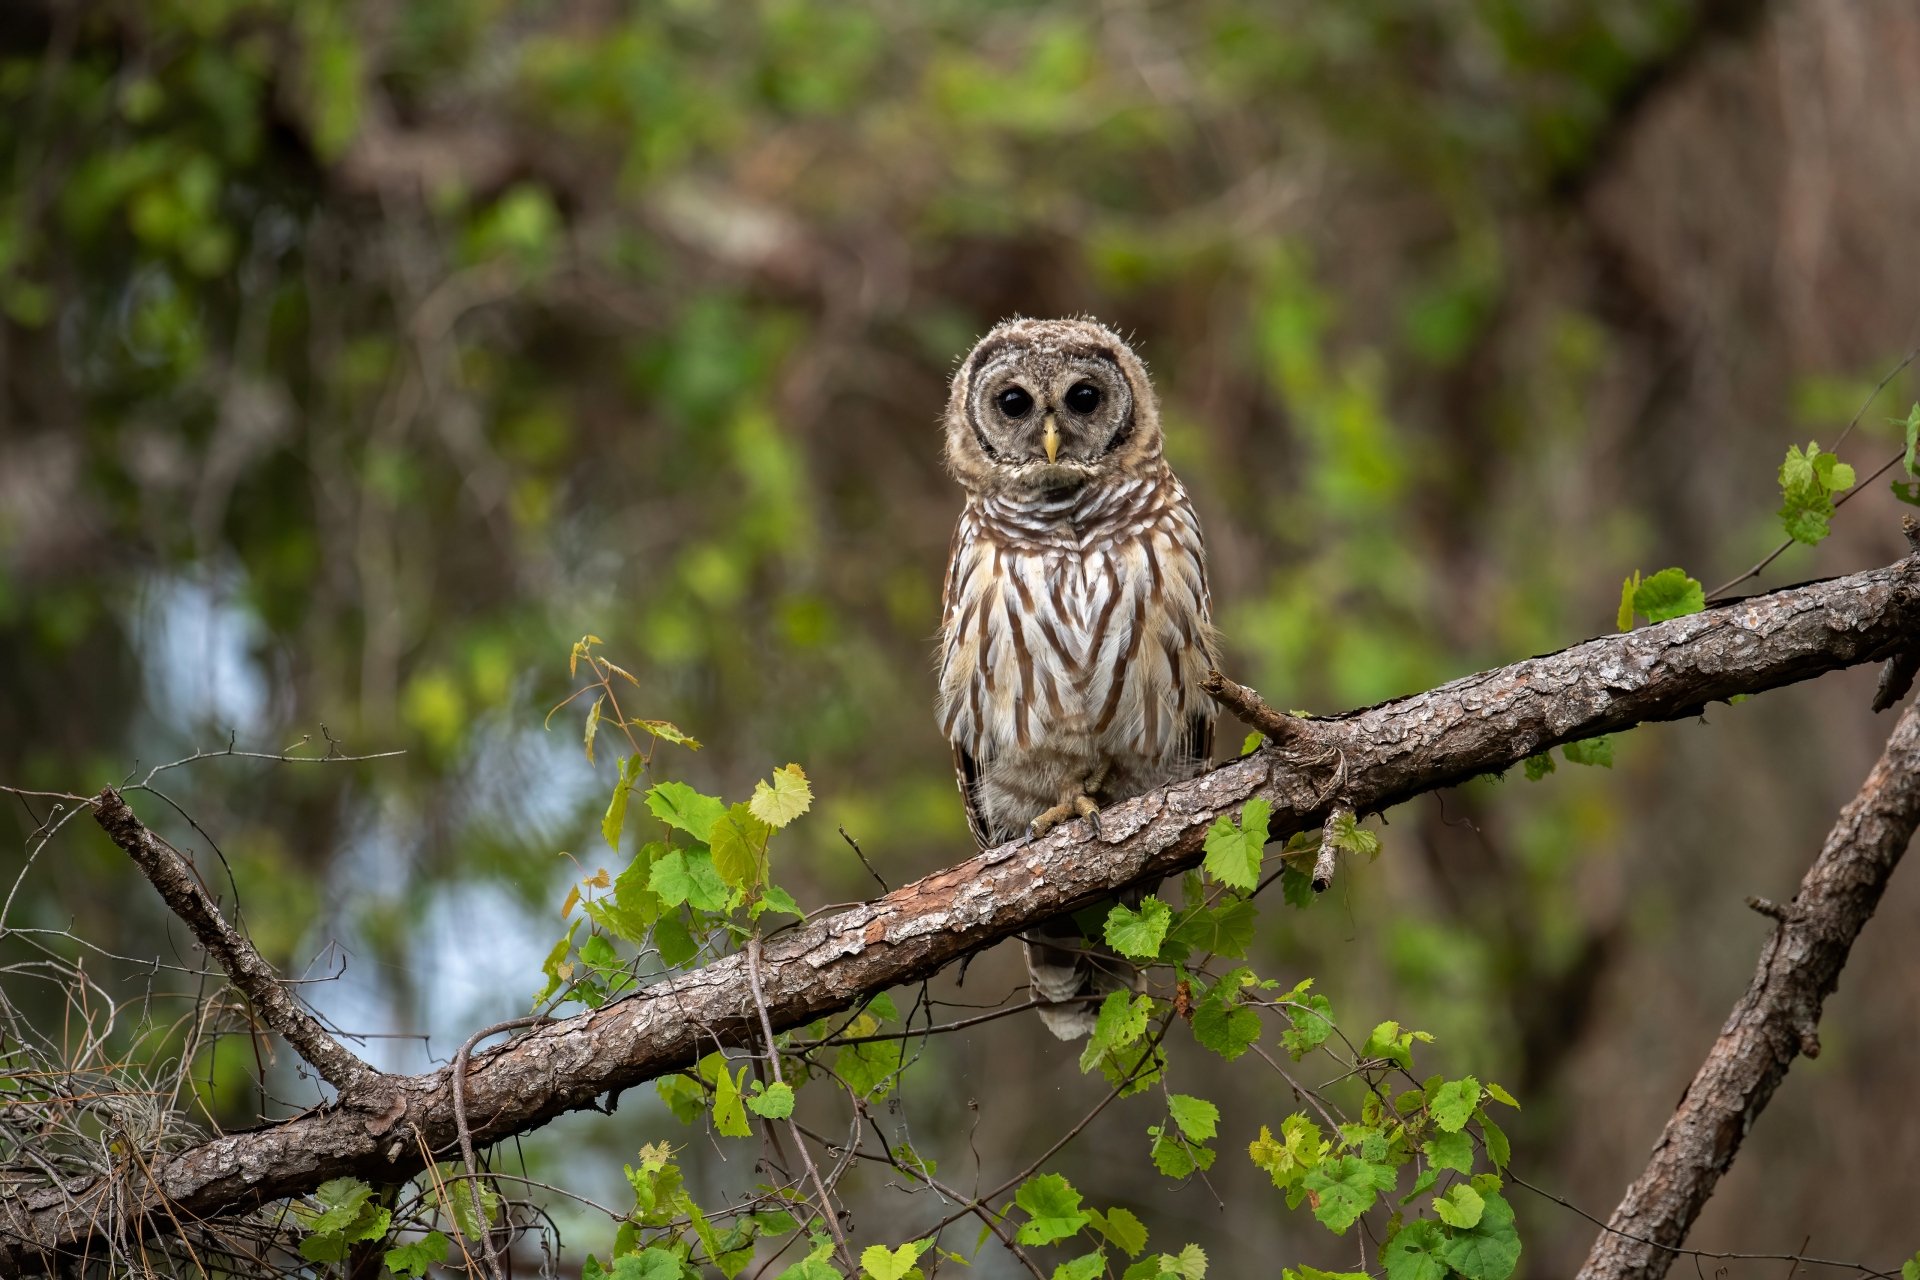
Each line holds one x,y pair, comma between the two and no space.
1078,653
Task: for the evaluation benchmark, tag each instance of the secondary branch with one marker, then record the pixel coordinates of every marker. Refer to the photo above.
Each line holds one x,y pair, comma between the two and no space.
180,889
1775,1020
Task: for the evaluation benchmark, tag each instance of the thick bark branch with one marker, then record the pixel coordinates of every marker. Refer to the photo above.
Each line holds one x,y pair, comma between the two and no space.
175,880
1776,1019
1378,757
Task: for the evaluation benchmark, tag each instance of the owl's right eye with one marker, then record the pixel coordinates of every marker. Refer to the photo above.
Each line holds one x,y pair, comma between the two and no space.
1014,402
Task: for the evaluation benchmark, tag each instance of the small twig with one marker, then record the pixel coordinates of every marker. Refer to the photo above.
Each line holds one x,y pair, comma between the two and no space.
1277,727
855,845
178,887
799,1140
466,1133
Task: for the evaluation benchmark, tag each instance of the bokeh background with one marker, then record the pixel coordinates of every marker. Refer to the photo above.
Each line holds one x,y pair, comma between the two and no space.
355,358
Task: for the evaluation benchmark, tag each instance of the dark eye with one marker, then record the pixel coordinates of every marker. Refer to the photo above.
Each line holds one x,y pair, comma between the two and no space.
1084,398
1014,402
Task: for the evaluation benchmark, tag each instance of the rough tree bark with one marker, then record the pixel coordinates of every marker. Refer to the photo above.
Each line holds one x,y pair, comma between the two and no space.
1775,1019
1367,760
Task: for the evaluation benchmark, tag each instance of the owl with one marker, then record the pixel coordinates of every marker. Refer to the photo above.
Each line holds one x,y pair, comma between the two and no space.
1076,625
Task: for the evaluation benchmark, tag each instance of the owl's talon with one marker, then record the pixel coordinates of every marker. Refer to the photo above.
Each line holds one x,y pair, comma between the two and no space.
1075,806
1086,808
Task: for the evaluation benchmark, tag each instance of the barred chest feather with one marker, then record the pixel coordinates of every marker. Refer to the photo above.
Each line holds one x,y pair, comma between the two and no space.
1076,632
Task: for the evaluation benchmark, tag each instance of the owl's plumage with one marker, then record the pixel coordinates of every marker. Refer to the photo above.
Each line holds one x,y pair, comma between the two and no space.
1076,624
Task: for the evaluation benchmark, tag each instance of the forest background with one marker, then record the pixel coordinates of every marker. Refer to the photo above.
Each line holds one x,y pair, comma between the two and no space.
356,359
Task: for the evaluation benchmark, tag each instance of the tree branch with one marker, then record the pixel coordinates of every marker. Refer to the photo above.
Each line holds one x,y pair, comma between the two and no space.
181,890
1776,1019
1386,754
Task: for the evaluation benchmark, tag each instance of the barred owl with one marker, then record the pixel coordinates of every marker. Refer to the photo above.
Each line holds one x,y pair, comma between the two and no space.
1076,623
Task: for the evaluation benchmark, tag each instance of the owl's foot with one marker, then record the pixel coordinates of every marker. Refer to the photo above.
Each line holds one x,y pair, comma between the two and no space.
1077,805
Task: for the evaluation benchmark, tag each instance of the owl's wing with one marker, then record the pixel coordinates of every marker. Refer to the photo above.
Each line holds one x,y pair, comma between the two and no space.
966,772
1198,744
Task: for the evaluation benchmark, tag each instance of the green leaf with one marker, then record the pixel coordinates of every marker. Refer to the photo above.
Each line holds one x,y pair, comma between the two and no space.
342,1198
1460,1207
1389,1043
1189,1264
1053,1208
1288,1158
1234,853
1453,1103
868,1068
686,1099
1221,1023
1224,930
616,816
1499,1094
1499,1152
457,1200
1344,1189
664,730
1491,1250
415,1257
739,842
1594,751
1086,1267
1413,1252
881,1263
1669,593
1450,1151
811,1269
774,898
649,1264
1121,1021
1198,1119
674,940
775,1103
679,805
1910,1270
786,798
1310,1017
1138,934
1421,1185
688,875
729,1116
1350,837
593,724
1124,1231
1808,482
1627,588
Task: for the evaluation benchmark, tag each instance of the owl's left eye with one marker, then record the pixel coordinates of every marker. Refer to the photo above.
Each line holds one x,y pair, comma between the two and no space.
1083,398
1014,402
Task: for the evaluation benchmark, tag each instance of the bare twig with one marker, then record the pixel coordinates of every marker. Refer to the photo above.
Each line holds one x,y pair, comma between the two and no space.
861,854
1775,1020
827,1210
1275,726
170,874
465,1131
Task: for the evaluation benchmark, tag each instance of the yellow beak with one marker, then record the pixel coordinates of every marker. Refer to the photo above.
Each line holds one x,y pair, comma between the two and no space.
1051,439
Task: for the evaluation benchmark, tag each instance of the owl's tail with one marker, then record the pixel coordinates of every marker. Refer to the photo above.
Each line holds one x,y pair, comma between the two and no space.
1065,967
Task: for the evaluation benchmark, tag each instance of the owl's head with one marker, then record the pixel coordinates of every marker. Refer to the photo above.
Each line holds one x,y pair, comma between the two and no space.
1040,406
